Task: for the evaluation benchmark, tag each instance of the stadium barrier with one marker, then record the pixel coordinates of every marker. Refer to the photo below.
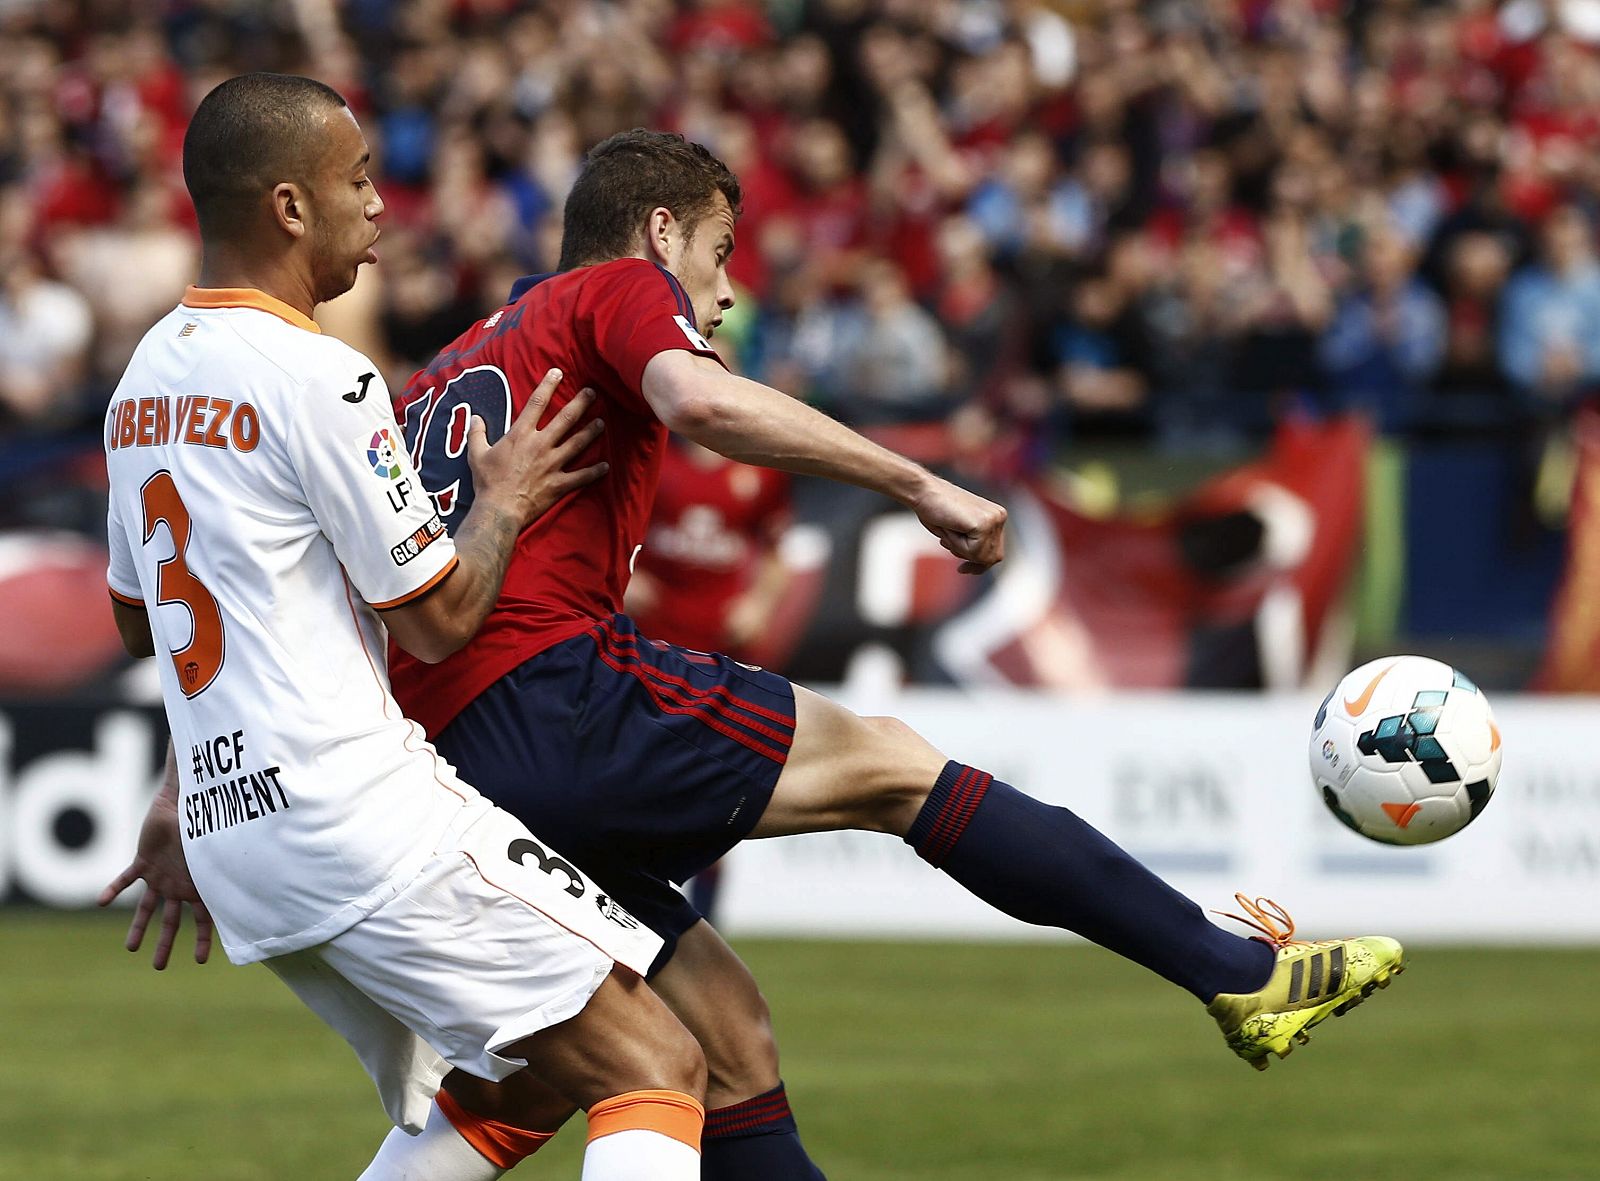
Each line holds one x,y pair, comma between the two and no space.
1211,790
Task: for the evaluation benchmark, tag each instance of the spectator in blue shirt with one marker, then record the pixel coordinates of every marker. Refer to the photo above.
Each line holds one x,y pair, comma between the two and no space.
1387,336
1550,314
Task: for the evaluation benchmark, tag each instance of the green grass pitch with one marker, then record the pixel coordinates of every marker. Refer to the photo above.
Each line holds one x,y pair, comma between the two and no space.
906,1062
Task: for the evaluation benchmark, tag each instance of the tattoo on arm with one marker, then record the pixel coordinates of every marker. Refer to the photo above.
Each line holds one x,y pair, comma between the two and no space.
485,543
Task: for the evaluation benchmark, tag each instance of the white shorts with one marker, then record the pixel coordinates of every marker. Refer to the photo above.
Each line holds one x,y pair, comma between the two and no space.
495,939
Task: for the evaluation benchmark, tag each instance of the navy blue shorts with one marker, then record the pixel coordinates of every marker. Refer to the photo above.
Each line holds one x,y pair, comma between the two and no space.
640,761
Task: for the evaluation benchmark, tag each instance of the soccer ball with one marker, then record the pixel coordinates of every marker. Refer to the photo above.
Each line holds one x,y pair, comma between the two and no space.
1405,750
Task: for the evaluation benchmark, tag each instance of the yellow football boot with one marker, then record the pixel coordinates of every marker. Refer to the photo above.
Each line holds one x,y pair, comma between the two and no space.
1309,982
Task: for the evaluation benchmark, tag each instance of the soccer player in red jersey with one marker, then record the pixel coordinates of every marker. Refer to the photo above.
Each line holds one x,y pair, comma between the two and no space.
644,763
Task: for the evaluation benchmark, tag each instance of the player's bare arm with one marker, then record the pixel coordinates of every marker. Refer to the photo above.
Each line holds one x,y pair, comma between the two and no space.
133,625
517,480
753,423
160,862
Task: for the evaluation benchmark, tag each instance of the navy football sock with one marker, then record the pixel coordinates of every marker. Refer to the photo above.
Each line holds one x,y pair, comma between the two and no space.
755,1140
1044,865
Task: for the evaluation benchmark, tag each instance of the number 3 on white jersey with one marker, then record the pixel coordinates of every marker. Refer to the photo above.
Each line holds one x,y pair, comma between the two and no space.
198,662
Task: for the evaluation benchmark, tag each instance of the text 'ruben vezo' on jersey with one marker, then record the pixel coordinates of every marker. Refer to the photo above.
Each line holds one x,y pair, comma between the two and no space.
227,794
188,418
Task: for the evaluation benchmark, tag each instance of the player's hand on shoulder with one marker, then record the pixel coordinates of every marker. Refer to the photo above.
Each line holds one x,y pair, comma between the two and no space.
526,471
967,525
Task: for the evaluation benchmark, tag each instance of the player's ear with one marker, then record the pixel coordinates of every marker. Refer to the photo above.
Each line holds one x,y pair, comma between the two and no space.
660,232
288,208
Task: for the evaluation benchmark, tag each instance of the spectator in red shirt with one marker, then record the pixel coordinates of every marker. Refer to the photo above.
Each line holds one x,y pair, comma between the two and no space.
720,26
710,574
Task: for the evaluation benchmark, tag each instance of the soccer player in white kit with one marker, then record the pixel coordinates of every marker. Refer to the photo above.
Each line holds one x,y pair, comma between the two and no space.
264,517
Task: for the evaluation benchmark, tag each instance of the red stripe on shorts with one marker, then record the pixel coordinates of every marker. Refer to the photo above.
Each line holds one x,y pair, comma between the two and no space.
707,710
619,643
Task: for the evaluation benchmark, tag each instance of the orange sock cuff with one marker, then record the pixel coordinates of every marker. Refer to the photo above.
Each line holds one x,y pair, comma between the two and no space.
502,1145
671,1113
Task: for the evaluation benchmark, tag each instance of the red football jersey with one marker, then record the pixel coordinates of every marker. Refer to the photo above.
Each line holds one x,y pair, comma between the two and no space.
711,524
600,326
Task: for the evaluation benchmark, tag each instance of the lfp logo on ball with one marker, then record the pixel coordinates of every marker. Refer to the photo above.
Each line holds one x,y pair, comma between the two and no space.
381,455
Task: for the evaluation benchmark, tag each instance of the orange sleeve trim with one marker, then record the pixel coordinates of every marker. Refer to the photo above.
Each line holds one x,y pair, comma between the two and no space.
248,297
420,591
502,1145
671,1113
125,600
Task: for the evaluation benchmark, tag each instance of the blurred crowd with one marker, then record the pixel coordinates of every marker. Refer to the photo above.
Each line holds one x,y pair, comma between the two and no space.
1045,220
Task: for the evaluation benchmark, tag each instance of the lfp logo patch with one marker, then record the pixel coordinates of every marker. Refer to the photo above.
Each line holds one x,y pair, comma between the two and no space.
381,455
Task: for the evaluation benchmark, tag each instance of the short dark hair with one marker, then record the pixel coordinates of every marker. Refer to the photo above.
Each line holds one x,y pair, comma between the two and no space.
627,176
249,134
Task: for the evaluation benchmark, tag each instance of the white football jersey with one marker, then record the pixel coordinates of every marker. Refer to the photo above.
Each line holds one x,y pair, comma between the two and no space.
261,498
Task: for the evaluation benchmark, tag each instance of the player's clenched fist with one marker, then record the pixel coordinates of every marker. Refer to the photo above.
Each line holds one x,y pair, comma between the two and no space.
970,527
525,472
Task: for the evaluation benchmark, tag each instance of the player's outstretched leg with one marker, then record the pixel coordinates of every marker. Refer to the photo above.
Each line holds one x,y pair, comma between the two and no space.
1045,865
1310,981
1034,861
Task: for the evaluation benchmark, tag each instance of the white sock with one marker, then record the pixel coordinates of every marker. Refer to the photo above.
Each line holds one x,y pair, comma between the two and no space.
437,1153
637,1154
